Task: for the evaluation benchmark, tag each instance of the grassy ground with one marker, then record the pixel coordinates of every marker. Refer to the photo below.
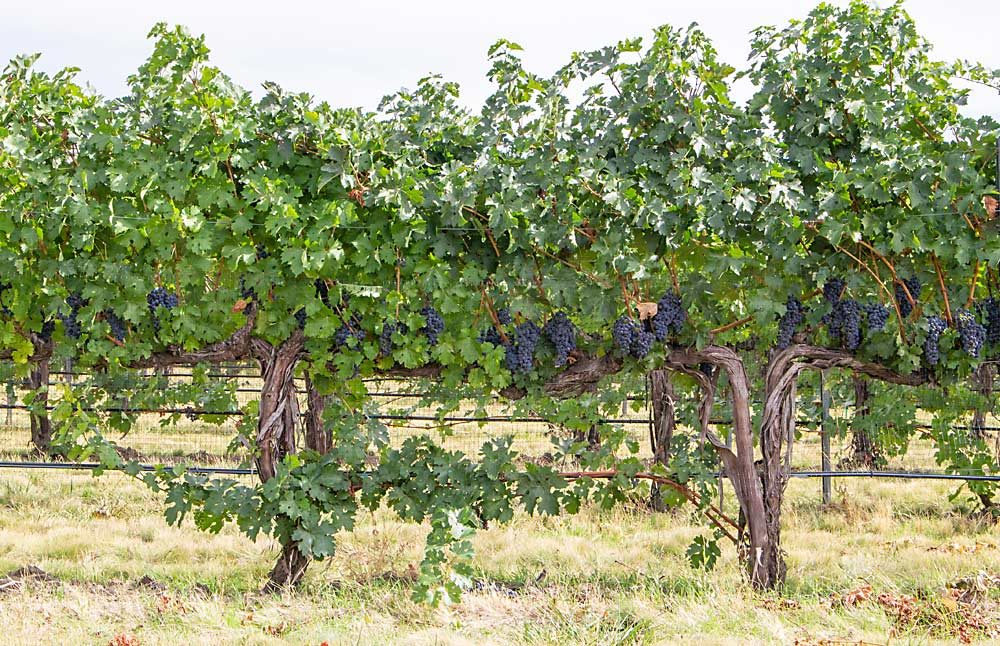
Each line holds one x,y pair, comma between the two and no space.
894,548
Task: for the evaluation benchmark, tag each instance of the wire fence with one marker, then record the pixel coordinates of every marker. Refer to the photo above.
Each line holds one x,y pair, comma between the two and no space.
182,435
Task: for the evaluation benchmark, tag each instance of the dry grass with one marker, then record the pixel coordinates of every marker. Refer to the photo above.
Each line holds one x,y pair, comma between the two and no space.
617,577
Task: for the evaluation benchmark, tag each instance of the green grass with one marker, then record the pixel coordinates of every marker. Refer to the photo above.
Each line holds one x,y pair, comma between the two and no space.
603,577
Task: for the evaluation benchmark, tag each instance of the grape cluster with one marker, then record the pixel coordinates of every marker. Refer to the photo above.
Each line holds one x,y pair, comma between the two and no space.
3,308
521,351
117,325
71,322
913,285
353,329
623,333
323,291
300,318
261,252
833,288
160,297
631,338
935,326
491,335
385,343
877,316
991,309
642,343
246,293
971,332
561,333
48,327
670,315
434,324
790,321
844,323
503,315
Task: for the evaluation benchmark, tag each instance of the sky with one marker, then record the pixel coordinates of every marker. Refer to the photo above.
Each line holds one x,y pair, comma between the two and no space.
354,53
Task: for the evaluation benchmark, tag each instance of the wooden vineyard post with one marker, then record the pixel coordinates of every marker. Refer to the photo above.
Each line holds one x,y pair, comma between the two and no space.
825,435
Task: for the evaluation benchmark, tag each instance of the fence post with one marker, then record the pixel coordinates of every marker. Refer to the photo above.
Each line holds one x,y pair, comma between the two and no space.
825,434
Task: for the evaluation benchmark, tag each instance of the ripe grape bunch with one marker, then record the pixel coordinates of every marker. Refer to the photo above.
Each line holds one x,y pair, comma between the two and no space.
300,318
71,323
877,316
351,329
157,298
833,288
670,315
118,329
913,285
521,351
385,343
971,332
561,333
991,307
323,291
631,338
790,320
434,324
844,323
935,326
3,308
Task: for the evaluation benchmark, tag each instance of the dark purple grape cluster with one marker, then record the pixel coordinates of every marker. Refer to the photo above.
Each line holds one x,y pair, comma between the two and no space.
670,316
352,329
385,343
844,323
623,333
6,311
75,301
246,293
561,333
48,327
877,315
631,337
833,289
323,291
932,351
794,314
159,297
970,331
521,351
434,324
300,318
261,252
913,285
118,329
503,315
991,311
71,322
642,343
491,335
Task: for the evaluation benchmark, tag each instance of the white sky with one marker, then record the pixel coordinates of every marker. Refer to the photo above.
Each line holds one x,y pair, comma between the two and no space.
353,53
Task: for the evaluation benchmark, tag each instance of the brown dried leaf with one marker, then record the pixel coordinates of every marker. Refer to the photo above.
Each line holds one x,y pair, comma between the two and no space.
646,310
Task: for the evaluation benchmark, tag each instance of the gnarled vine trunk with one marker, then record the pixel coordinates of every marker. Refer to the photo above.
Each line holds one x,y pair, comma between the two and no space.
318,438
279,407
865,451
41,426
276,425
661,431
982,381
